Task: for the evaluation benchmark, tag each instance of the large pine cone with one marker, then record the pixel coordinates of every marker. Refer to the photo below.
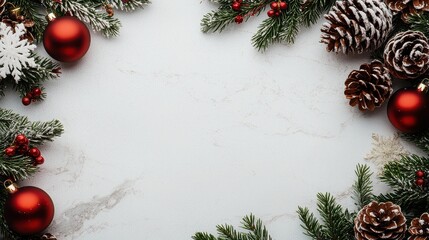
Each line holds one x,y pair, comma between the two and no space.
355,26
369,86
419,229
407,55
380,221
2,6
408,7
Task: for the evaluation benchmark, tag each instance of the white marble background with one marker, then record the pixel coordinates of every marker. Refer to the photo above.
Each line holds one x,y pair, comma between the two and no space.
170,131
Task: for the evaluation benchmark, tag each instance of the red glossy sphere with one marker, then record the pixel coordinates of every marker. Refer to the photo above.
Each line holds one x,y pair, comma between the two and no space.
39,160
420,182
36,92
21,139
271,13
420,174
239,19
283,5
408,110
28,211
34,152
274,5
26,101
10,151
236,6
66,39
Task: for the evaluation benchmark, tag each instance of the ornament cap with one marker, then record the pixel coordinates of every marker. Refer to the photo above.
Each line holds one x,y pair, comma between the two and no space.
424,85
15,12
51,17
10,186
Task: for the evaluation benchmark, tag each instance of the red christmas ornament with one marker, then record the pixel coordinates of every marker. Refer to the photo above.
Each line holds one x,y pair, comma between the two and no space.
236,6
274,5
239,19
34,152
408,108
10,151
66,39
271,13
36,92
28,210
21,139
283,5
39,160
420,174
420,182
26,101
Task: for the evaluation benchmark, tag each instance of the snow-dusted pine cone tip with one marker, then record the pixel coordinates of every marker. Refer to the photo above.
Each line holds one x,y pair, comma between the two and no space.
407,55
368,87
356,26
419,229
2,6
408,7
380,221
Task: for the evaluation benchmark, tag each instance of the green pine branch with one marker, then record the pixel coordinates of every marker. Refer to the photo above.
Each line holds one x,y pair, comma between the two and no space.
400,177
419,22
31,10
362,188
127,6
420,139
255,230
312,10
310,224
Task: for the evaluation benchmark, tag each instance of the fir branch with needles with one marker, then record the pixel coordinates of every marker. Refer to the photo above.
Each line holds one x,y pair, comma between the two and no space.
255,230
20,167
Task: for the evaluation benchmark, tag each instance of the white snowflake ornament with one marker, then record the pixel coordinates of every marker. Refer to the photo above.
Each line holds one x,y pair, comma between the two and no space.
15,52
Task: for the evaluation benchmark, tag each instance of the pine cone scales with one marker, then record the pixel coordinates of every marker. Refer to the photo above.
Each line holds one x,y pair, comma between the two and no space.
2,6
419,229
380,221
369,86
408,7
407,55
355,26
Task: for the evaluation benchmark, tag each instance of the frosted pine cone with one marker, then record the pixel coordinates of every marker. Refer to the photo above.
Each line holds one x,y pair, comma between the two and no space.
355,26
407,55
419,229
380,221
369,86
408,7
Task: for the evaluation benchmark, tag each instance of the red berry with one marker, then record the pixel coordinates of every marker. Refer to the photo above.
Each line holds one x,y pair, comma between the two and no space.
236,6
10,151
420,182
239,19
277,13
34,152
39,160
271,13
37,92
26,101
420,174
21,139
29,95
283,5
274,5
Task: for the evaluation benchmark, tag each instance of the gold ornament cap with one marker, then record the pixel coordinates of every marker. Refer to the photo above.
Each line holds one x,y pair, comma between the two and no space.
10,186
424,85
51,17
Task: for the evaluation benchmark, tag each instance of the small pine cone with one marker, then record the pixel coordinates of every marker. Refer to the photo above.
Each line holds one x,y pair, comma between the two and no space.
2,6
356,26
369,86
408,7
407,55
419,229
380,221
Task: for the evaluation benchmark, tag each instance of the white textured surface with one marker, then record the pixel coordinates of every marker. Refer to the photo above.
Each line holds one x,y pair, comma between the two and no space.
170,131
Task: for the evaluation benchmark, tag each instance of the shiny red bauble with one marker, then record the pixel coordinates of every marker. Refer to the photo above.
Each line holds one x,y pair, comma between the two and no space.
28,211
66,39
236,6
408,110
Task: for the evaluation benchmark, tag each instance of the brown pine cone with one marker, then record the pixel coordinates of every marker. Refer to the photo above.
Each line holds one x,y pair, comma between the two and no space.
355,26
407,55
419,229
2,6
369,86
408,7
380,221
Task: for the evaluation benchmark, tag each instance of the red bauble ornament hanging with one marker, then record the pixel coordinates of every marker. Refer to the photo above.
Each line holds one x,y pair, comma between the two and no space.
66,39
408,108
28,210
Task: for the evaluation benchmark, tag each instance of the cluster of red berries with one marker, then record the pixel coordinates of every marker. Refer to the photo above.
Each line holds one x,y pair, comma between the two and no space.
236,6
33,95
420,178
276,8
21,147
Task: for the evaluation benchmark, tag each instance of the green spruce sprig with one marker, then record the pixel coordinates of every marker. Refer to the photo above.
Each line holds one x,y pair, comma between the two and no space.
255,230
